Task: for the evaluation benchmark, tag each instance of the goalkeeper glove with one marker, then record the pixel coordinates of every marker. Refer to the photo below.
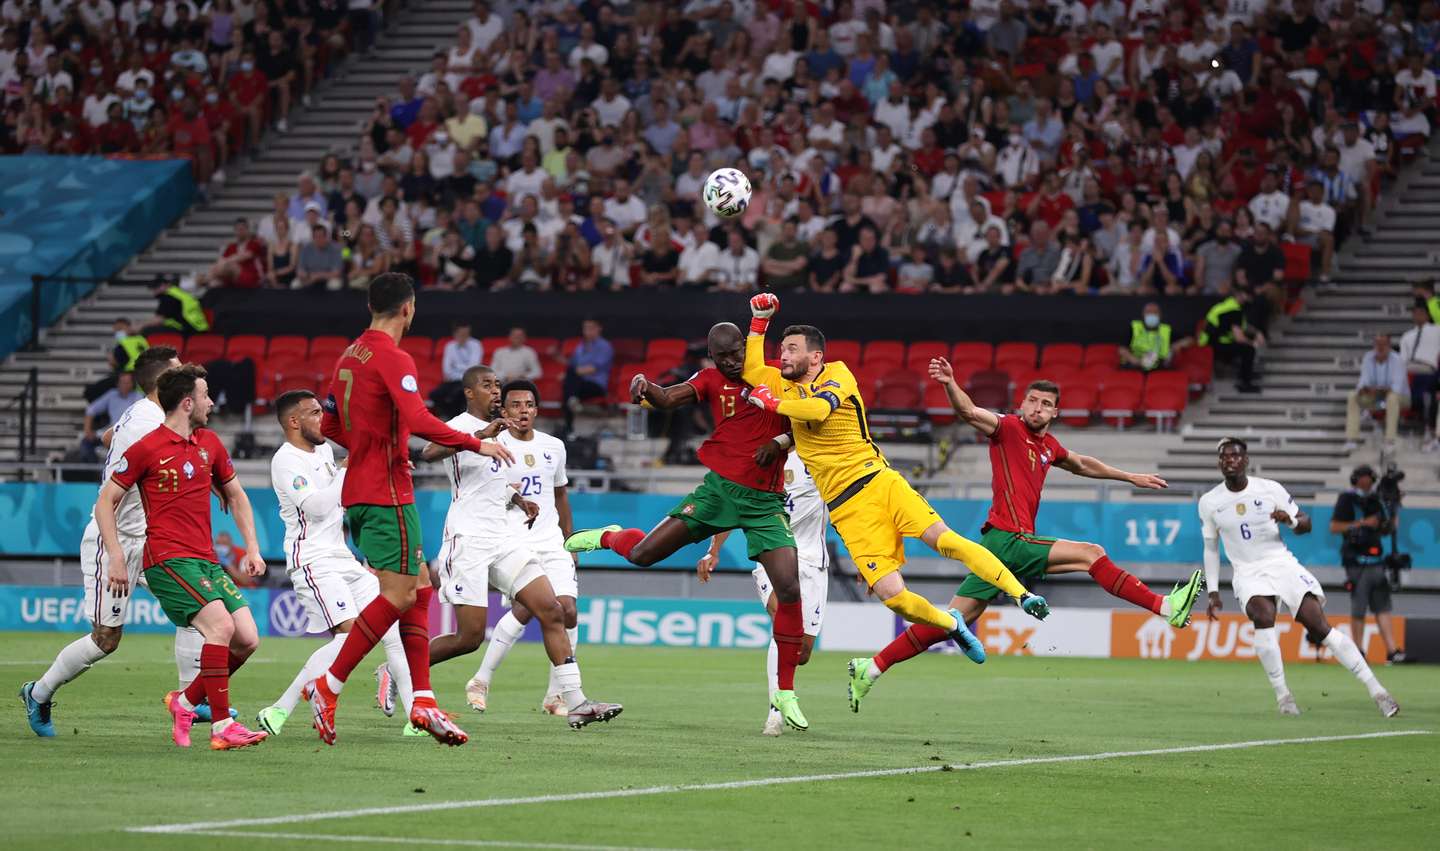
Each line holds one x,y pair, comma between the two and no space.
763,397
762,308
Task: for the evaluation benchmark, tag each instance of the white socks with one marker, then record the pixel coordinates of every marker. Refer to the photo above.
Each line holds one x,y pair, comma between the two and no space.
318,662
73,660
399,667
772,668
1350,656
1267,648
567,679
506,633
573,633
188,642
872,671
1166,610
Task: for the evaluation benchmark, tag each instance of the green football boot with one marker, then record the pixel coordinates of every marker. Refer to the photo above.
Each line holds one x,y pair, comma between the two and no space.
272,719
588,540
1183,598
787,704
411,731
860,682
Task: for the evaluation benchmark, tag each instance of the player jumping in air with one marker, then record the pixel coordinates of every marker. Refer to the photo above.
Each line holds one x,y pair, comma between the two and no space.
330,583
373,405
808,519
1022,451
104,605
485,545
1247,512
174,468
538,474
743,490
871,505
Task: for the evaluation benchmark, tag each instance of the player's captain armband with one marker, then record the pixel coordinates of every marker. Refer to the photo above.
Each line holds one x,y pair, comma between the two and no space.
831,383
409,385
828,396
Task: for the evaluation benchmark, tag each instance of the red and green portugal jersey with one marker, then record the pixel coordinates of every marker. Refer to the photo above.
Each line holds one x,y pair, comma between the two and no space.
1018,463
174,475
740,429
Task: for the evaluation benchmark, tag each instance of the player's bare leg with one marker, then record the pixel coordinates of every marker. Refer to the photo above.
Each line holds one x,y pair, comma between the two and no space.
916,639
507,632
1261,612
1079,557
633,545
1312,616
782,566
469,634
539,598
890,588
983,564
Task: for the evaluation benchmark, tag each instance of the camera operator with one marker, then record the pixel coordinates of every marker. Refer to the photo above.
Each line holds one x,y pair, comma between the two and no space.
1362,519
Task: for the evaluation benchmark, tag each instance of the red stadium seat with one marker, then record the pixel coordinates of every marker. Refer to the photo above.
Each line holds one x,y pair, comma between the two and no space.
1121,395
1079,400
619,392
1062,354
543,345
1297,261
881,366
166,338
422,349
1015,357
937,404
963,371
900,390
203,348
550,393
843,350
919,355
1166,392
242,346
1101,354
287,372
628,349
551,367
431,374
568,347
666,348
884,351
1198,364
990,388
290,345
491,345
979,353
324,351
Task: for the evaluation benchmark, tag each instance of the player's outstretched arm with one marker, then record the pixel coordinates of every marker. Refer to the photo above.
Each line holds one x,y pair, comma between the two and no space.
981,419
399,377
643,390
253,564
1094,468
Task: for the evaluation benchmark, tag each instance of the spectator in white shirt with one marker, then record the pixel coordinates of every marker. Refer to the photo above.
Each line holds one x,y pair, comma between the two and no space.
845,30
485,27
1383,380
516,361
625,209
611,106
1415,79
1271,206
528,179
588,49
1017,163
461,352
827,133
1357,160
1109,54
1159,220
97,104
894,111
1420,352
1314,225
738,266
700,259
612,257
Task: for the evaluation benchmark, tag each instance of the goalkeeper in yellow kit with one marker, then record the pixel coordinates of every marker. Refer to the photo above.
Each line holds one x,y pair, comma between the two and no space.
871,505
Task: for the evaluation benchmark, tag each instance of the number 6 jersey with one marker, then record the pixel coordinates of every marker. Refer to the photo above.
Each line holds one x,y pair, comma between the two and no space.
1241,519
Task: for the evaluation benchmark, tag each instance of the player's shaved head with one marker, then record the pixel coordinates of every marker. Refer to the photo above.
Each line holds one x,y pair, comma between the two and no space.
724,335
288,402
150,363
474,375
727,349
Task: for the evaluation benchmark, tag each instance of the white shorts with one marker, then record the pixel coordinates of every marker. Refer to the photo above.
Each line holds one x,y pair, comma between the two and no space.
1288,582
333,591
101,606
469,567
814,593
559,567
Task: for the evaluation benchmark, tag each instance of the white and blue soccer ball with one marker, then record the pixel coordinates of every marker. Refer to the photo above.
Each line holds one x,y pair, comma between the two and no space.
726,192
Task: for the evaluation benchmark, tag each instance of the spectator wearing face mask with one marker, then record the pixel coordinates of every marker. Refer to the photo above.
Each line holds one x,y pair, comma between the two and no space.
1151,344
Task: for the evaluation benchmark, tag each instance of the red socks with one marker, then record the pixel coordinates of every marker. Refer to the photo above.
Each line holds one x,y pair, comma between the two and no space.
912,642
373,622
1121,584
622,542
415,636
236,662
213,682
789,632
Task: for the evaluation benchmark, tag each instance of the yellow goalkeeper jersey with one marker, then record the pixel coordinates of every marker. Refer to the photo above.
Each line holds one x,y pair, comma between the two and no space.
834,442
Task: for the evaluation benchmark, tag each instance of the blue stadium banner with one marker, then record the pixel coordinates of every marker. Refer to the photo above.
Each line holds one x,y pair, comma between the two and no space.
47,608
51,518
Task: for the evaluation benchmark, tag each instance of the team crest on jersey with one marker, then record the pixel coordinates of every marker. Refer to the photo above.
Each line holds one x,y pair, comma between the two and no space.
300,483
123,465
688,509
529,460
1240,508
189,470
789,477
205,583
546,456
204,456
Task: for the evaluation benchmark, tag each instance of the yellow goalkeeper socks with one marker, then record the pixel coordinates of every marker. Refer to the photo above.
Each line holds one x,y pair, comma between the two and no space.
916,609
981,562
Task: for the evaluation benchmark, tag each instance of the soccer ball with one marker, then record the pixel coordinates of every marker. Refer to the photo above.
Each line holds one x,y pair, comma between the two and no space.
726,192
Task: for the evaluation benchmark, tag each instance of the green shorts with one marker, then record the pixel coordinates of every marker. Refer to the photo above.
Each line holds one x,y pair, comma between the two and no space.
184,586
720,505
1027,556
389,536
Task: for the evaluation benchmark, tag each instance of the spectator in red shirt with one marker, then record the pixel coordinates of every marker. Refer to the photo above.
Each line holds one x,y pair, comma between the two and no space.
248,87
223,119
242,262
1050,203
425,124
190,139
116,135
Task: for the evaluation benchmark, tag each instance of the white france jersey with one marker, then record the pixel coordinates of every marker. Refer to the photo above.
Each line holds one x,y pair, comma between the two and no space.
479,492
539,468
808,514
1242,521
307,484
138,420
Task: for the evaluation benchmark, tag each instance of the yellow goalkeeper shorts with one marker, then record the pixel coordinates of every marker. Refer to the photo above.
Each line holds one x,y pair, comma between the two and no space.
875,521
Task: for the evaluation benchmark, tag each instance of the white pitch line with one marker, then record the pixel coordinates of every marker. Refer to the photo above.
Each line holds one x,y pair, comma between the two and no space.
299,818
415,840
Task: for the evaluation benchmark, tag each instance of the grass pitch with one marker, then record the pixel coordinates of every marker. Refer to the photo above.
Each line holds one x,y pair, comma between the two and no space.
694,717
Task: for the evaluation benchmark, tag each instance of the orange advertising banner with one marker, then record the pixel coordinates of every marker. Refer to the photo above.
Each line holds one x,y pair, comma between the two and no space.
1136,635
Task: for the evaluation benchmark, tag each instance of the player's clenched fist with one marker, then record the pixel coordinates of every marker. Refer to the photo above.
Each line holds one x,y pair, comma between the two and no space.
763,397
762,307
638,385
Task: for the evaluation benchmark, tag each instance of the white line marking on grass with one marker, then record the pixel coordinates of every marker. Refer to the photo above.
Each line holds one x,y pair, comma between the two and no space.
300,818
415,840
